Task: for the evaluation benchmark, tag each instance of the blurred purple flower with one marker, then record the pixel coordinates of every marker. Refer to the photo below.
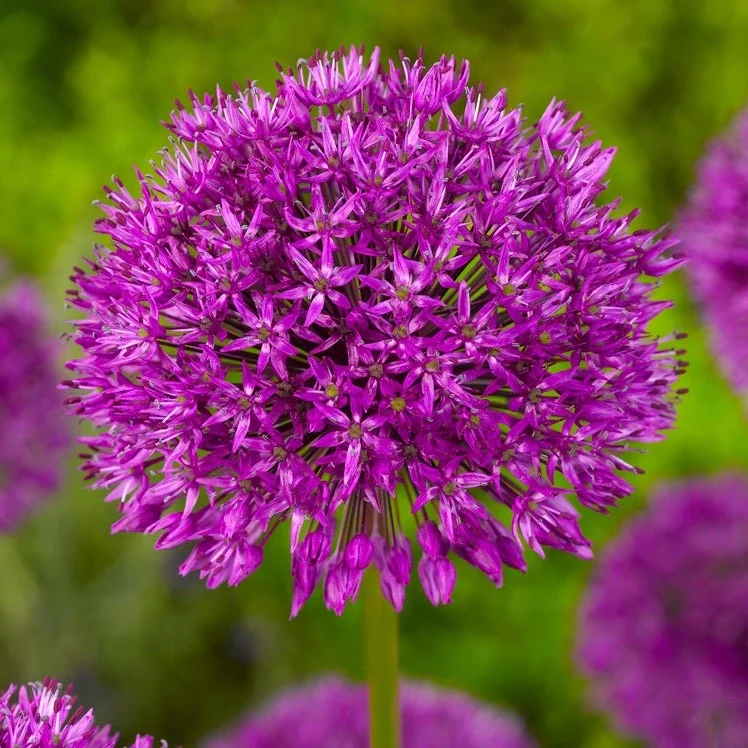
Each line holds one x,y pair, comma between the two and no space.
33,425
332,712
42,715
714,231
665,623
357,285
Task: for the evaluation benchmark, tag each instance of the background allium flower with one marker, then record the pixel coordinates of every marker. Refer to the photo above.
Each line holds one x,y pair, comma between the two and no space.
714,231
43,715
333,712
665,623
33,425
360,284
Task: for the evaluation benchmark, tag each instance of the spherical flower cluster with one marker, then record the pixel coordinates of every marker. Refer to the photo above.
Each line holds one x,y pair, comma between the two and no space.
714,231
42,715
33,427
665,623
333,712
359,297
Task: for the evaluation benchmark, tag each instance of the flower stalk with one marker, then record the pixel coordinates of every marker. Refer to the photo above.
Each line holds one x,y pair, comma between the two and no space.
381,665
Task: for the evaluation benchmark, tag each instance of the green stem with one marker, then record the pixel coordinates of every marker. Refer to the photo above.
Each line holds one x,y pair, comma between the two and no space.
381,665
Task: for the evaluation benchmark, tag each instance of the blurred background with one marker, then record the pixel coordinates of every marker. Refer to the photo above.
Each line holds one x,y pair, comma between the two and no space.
83,88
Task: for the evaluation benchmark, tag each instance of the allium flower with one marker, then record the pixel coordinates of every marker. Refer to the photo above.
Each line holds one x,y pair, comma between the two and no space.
33,427
333,712
714,231
359,285
665,623
42,715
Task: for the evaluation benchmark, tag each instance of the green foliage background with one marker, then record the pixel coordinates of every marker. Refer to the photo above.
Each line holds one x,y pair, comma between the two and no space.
83,87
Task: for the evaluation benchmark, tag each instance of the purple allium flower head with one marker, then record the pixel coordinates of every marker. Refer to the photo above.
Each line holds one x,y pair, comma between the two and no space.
665,622
359,285
43,715
714,232
33,425
333,712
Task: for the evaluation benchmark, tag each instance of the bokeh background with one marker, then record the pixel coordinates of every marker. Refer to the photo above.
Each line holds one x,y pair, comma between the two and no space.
83,87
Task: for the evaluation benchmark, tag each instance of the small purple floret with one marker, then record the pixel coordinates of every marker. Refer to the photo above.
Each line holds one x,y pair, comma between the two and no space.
375,291
714,233
34,433
664,633
332,712
43,715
